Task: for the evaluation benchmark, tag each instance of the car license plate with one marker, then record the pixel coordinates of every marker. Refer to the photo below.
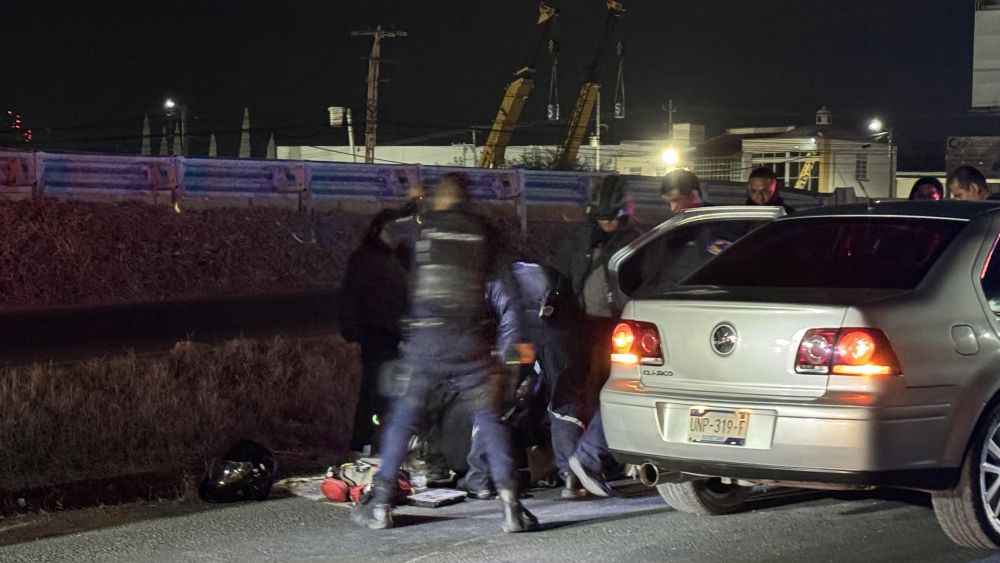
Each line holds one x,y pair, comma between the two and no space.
712,426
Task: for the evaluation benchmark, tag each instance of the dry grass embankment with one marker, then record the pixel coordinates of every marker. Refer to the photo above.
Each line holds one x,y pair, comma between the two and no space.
62,253
56,253
129,415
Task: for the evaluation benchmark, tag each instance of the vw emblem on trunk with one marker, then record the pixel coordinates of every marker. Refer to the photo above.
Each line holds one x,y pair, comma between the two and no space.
724,339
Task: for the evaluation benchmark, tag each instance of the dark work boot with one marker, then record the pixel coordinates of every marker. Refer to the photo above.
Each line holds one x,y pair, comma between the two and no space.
572,487
516,517
375,509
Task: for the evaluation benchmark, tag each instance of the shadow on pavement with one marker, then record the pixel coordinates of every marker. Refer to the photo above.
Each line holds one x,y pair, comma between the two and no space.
781,497
33,527
406,520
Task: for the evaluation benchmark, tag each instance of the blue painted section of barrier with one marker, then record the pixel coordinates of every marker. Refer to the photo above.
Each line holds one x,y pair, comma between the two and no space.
485,184
646,191
103,175
256,179
565,188
367,182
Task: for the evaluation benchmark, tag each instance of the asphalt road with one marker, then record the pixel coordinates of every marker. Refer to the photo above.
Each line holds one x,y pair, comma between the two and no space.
636,526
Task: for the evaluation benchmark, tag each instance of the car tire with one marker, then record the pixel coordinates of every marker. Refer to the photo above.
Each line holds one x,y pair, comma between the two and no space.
964,512
704,496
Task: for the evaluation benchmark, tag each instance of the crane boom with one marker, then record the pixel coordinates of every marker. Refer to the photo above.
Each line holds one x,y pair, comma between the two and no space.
516,95
587,98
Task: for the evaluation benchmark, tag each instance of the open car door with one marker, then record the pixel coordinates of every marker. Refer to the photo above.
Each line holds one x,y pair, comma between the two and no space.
661,258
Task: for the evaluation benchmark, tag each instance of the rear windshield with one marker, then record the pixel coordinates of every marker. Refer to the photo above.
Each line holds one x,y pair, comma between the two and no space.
832,252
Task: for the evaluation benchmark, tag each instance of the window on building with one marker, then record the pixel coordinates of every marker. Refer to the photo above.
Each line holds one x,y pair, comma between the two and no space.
724,169
635,170
788,166
861,167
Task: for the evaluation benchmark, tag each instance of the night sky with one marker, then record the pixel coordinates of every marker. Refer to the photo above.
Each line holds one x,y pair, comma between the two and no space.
82,74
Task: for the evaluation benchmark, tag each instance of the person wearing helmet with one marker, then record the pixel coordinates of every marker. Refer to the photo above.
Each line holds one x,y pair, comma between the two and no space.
448,350
581,258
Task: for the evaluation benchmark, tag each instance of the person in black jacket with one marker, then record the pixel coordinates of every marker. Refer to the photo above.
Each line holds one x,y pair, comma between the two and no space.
581,258
373,300
762,189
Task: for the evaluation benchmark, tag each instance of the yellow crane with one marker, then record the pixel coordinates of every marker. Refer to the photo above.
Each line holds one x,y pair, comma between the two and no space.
587,98
516,95
805,175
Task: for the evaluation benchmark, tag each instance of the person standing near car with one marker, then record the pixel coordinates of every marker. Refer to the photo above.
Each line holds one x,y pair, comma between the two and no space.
581,258
448,349
927,188
969,184
681,190
762,189
372,302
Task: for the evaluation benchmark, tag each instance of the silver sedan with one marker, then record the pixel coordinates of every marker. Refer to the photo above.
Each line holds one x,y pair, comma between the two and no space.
849,347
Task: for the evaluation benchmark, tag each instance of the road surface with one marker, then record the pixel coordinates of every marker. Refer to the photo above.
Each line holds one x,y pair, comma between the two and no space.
635,526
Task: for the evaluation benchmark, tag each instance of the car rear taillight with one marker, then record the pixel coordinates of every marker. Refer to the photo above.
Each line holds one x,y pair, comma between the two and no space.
846,351
636,342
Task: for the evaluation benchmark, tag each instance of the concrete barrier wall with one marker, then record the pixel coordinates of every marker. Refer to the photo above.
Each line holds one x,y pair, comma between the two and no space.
194,182
217,182
104,177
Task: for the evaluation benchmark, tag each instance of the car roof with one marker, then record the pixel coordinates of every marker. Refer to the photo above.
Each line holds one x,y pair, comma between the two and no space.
948,209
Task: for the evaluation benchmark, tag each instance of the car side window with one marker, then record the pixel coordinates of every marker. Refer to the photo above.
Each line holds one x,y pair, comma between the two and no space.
991,279
662,264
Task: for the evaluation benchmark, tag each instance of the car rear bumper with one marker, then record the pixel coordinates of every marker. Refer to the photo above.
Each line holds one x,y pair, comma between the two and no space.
809,440
935,478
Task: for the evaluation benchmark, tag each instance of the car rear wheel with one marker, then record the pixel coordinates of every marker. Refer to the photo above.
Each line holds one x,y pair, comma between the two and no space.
704,496
969,512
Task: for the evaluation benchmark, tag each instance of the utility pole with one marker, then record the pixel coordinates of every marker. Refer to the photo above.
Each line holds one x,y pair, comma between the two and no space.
374,60
671,109
597,134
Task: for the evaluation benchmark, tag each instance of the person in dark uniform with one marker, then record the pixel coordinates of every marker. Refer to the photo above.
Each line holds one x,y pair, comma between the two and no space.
510,325
581,258
372,303
448,350
552,387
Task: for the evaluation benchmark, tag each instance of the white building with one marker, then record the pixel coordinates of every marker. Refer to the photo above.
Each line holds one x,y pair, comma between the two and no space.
822,155
817,157
641,158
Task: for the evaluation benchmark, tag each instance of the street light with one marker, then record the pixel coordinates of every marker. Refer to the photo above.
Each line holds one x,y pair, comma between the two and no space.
170,105
880,131
670,156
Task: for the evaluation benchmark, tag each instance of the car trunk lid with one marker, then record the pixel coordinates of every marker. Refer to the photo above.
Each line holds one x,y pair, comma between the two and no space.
734,347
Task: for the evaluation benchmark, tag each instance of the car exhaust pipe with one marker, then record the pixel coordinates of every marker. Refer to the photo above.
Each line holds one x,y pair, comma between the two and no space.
651,475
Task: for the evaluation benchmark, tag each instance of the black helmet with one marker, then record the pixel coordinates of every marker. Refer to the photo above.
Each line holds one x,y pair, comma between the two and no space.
246,472
610,199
